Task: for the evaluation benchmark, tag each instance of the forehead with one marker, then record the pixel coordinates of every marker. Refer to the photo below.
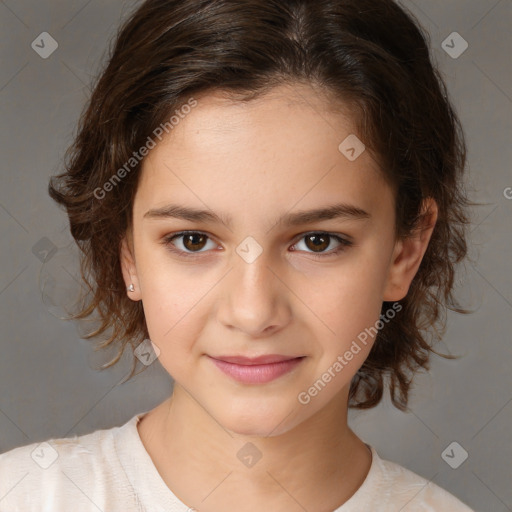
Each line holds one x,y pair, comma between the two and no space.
277,150
291,113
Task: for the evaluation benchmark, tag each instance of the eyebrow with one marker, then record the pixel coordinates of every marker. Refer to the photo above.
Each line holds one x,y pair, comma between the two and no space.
336,211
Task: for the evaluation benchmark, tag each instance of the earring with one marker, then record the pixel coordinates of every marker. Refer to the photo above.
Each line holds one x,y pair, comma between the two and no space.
131,288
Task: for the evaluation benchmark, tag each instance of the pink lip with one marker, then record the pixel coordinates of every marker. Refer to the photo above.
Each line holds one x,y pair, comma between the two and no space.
256,370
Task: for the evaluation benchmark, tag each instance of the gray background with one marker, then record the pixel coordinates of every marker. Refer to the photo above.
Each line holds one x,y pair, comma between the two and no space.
50,387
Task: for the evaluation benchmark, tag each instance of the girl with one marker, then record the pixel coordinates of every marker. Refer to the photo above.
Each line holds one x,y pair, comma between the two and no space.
268,198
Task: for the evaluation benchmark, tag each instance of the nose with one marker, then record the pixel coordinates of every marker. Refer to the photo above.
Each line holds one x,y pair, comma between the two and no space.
255,298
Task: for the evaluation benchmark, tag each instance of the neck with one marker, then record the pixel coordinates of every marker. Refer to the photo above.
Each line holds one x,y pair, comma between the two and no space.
211,468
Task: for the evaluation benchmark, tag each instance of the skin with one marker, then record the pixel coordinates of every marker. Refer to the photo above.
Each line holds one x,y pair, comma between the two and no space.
256,162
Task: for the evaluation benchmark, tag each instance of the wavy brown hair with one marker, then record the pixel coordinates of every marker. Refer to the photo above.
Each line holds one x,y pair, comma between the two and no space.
369,55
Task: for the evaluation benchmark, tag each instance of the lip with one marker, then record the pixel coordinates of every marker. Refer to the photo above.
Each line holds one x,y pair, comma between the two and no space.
263,359
256,370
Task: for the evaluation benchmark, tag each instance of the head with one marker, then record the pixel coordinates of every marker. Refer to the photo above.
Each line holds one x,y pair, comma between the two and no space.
258,112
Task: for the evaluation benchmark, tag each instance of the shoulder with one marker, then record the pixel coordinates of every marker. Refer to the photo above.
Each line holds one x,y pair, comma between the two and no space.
62,472
413,492
60,454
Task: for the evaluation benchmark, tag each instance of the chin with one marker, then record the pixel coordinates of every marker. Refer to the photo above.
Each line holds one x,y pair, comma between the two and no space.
253,429
256,422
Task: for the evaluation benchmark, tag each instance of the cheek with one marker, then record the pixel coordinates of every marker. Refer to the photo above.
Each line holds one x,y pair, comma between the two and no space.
173,325
349,300
170,309
169,290
174,302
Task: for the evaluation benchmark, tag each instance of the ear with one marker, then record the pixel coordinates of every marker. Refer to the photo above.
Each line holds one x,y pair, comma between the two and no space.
408,254
128,268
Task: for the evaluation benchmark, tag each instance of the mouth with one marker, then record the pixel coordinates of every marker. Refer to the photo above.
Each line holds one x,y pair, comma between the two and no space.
256,370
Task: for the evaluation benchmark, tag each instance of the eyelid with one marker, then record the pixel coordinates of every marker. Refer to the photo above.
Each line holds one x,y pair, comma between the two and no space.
345,242
344,237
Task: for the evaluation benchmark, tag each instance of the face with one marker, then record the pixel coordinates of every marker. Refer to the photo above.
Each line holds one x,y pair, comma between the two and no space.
252,278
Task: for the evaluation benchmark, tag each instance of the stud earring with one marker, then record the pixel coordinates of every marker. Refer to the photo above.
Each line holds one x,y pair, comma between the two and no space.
131,288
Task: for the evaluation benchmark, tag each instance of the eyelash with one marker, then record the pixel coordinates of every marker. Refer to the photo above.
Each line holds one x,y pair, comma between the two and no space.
344,244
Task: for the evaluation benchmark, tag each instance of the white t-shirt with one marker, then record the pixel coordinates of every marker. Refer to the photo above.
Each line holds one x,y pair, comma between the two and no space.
111,471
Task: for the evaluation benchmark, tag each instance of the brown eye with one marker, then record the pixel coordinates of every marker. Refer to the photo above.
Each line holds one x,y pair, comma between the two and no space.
188,243
194,241
317,241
